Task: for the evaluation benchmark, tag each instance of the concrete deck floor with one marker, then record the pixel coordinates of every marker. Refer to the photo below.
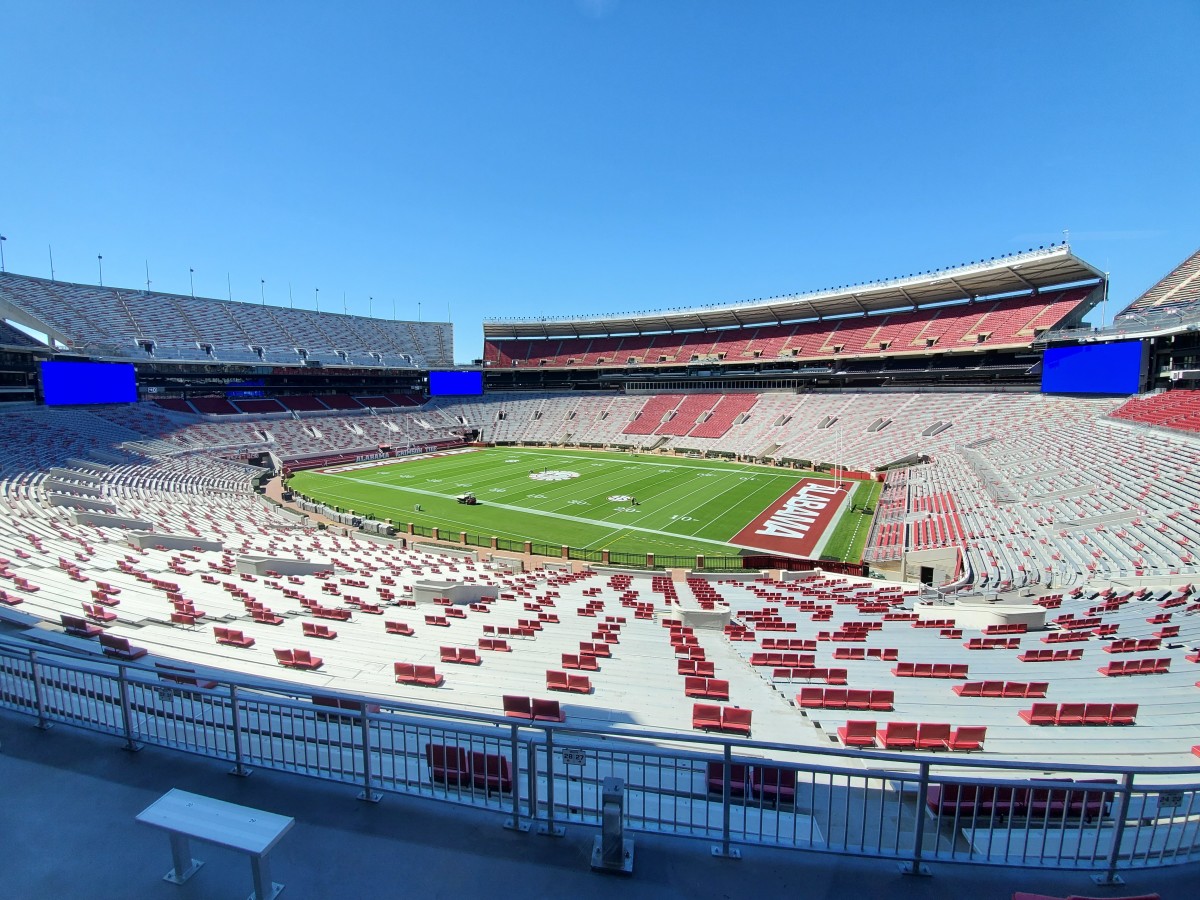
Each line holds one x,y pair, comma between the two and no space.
68,800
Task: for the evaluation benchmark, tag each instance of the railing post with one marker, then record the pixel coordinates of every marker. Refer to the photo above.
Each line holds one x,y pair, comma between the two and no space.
238,768
366,794
126,716
915,866
1109,875
726,789
531,784
39,700
549,828
514,822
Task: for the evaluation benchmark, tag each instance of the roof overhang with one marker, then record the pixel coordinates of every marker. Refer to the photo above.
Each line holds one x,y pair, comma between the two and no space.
1038,269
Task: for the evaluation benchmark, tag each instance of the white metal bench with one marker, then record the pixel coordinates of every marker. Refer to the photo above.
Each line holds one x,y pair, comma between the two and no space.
251,831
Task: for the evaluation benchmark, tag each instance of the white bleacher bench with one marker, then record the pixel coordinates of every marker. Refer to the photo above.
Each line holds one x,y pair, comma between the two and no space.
184,815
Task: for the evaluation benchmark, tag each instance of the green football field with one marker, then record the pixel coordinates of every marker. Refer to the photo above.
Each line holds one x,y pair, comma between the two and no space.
683,506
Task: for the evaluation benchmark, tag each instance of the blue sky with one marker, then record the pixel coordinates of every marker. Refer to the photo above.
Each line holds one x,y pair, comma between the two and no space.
548,157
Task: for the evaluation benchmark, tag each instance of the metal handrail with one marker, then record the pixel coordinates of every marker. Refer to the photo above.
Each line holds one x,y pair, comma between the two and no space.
844,801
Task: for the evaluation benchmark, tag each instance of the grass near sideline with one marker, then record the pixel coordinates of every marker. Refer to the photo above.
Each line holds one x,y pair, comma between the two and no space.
684,506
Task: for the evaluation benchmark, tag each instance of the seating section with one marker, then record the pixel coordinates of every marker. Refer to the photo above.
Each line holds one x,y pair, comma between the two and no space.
1012,321
150,325
1178,409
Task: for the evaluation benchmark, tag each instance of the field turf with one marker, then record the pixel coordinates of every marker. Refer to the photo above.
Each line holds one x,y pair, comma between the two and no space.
684,506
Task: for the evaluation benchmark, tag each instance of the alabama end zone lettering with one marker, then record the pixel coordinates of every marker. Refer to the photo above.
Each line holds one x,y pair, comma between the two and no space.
795,523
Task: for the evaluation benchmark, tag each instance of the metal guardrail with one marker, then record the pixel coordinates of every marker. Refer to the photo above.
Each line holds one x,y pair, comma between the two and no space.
915,809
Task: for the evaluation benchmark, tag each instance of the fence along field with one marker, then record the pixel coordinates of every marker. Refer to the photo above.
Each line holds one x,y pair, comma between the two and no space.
596,501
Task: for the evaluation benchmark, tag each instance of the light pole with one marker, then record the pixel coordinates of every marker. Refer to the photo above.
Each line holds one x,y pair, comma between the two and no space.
192,281
2,240
100,263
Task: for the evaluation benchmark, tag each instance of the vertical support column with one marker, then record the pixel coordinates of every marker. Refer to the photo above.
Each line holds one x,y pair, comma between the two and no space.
514,821
126,715
366,793
1109,875
39,698
726,790
915,866
549,828
239,768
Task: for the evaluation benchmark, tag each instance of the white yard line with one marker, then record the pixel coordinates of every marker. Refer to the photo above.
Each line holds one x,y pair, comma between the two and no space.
523,509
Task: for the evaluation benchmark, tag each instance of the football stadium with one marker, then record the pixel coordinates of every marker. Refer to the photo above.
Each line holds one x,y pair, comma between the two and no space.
813,573
600,449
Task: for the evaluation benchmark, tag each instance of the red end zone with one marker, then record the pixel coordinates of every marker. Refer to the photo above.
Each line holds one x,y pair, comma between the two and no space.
795,523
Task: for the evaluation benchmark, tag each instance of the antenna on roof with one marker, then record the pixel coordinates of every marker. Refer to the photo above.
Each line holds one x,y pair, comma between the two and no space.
192,281
229,287
100,263
290,304
262,289
147,276
51,249
317,299
1067,237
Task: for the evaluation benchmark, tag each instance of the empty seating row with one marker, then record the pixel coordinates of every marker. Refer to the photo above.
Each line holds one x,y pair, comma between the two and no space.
734,719
1085,798
1149,666
844,698
766,782
887,654
535,710
912,735
298,659
930,670
708,688
449,765
1012,689
1080,714
408,673
565,681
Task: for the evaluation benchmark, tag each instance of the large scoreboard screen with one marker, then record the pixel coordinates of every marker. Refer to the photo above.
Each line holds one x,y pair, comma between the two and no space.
80,383
1114,368
455,384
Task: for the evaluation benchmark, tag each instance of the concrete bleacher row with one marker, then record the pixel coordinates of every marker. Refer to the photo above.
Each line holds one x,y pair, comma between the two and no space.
124,322
1012,321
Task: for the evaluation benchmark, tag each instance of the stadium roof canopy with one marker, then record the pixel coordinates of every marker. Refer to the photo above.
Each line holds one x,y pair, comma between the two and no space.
1039,269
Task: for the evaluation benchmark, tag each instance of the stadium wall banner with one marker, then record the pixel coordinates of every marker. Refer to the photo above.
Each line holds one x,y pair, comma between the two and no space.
795,523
